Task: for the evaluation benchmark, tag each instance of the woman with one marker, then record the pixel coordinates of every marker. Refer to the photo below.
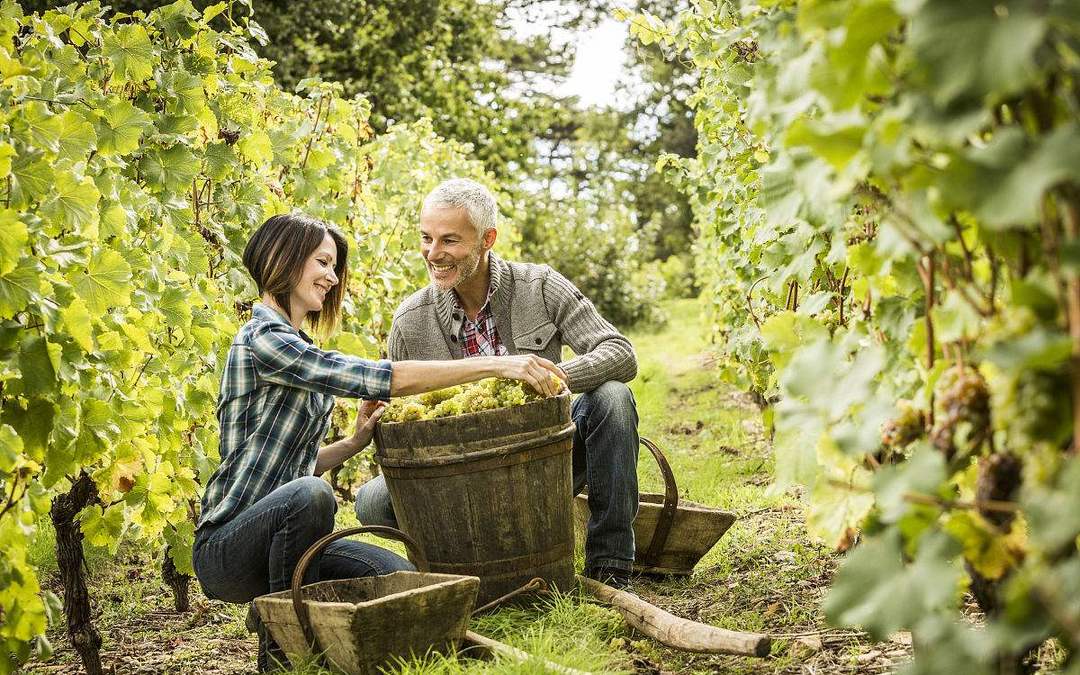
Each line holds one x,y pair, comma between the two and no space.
263,506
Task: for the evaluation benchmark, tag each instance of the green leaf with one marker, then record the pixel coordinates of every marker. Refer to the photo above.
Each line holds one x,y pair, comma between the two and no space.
121,128
6,153
923,473
76,318
31,178
130,53
256,147
74,204
103,528
171,168
37,367
1004,182
33,423
13,238
971,49
878,592
11,448
18,286
105,283
39,126
77,136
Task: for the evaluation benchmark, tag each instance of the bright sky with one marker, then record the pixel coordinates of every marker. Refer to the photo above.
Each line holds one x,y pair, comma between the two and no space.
600,60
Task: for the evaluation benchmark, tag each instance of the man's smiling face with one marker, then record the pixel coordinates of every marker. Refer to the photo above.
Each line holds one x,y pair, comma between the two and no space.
450,246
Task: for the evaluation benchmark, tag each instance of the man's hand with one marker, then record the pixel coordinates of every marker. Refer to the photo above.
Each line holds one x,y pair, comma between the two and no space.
370,412
542,375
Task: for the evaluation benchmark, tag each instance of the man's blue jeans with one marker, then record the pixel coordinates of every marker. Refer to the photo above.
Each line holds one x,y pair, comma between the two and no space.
605,459
256,552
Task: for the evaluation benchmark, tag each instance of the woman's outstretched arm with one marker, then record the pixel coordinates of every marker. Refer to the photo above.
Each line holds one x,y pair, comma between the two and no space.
415,377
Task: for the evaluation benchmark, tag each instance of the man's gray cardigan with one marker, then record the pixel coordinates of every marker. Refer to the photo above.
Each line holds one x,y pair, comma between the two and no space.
536,310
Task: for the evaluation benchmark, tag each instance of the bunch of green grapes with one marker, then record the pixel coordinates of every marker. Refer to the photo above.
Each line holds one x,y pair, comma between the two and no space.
908,426
486,394
961,412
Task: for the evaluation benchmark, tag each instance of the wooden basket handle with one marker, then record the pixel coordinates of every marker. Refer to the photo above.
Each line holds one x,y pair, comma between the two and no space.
415,553
671,504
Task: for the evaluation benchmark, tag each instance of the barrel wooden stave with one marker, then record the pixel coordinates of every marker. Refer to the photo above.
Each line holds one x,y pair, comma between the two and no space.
487,494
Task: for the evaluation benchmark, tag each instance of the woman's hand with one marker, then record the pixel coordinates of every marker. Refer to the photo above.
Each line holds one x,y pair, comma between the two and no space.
370,412
541,374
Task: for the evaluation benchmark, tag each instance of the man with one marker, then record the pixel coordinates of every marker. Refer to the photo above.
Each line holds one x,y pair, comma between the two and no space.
480,305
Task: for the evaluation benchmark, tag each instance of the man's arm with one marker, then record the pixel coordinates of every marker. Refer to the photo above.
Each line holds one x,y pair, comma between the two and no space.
603,353
396,343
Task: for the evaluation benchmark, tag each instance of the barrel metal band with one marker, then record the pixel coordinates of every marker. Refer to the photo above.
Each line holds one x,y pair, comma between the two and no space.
483,460
517,564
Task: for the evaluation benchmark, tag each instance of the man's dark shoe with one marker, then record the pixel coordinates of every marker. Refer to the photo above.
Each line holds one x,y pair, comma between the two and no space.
611,576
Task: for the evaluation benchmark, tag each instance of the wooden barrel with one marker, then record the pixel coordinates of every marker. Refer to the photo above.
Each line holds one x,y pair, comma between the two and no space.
487,494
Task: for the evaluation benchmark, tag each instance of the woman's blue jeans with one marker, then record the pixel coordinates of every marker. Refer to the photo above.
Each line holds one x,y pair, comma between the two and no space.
605,458
256,552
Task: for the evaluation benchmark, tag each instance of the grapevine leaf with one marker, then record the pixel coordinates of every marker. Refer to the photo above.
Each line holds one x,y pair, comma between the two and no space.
6,153
39,127
1054,510
130,53
256,147
74,203
17,287
103,527
13,238
121,128
33,423
988,552
921,474
105,283
76,318
970,50
172,168
1003,183
37,367
76,137
877,591
31,178
11,448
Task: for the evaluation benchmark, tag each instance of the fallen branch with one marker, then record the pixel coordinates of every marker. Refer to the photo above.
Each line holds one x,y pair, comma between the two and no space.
676,632
493,647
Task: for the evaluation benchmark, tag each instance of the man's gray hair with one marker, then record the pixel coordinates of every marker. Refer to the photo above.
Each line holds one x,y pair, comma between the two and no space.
463,193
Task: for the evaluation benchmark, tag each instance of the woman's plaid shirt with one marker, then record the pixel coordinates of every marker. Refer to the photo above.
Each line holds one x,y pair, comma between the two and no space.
273,410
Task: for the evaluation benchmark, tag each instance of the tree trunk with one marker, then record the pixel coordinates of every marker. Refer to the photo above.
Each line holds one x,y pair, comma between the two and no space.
177,582
72,565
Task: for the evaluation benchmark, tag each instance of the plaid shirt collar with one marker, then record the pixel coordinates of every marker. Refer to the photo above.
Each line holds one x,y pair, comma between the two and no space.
480,337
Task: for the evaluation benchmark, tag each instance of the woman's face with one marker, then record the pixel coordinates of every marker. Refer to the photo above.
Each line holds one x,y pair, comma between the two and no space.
316,280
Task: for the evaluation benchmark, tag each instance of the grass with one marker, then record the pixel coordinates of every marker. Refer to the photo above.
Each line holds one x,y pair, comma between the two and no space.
764,574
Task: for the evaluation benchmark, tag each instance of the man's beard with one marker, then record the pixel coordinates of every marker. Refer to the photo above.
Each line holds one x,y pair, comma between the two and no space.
465,269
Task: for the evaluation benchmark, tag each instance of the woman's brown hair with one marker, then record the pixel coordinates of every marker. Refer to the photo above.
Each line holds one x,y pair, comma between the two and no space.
275,257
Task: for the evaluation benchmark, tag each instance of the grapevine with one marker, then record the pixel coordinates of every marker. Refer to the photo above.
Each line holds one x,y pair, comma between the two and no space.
889,213
137,154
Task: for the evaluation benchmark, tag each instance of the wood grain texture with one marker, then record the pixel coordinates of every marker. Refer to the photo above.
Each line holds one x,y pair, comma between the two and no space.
487,494
674,631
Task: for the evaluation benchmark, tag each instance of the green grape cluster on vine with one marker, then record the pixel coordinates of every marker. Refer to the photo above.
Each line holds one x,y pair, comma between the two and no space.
488,394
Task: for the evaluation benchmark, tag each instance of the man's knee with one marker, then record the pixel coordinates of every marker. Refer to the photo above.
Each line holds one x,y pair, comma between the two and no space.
373,504
613,401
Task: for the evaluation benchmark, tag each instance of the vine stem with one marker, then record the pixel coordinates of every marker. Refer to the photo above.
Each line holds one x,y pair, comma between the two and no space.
750,304
1071,218
926,271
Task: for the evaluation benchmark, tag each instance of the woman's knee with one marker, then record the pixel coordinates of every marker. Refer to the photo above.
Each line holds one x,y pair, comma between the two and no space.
315,495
